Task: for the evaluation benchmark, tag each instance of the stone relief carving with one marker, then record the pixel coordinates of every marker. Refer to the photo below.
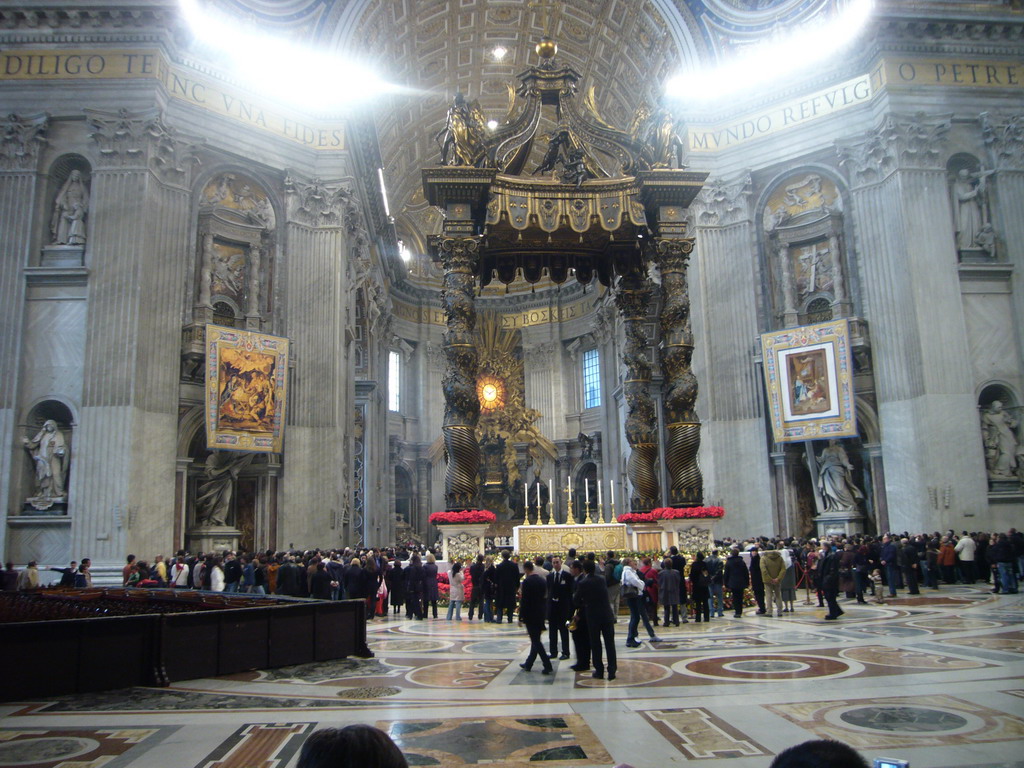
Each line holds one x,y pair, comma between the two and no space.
799,196
901,141
322,204
1002,453
835,480
22,140
51,458
67,225
174,154
122,136
721,202
241,196
1004,140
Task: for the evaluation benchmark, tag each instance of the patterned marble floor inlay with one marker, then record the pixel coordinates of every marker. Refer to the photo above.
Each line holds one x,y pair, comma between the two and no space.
509,741
259,745
699,734
71,747
903,721
452,693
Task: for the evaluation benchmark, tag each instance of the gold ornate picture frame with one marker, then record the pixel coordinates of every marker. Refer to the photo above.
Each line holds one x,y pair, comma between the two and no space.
246,390
808,376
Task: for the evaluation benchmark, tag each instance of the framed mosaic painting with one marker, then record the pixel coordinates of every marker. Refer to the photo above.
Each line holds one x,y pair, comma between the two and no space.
246,390
808,376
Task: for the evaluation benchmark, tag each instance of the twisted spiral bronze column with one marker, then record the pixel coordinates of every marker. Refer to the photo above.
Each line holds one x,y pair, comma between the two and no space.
686,485
461,405
633,298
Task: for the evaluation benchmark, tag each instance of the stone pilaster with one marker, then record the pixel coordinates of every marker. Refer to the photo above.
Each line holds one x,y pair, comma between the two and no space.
912,299
19,161
321,225
729,404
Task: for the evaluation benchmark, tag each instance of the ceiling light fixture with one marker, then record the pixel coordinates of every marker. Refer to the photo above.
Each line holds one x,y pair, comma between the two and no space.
492,124
767,62
499,52
299,75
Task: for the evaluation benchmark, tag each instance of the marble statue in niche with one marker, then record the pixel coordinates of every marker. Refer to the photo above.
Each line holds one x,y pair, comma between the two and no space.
228,271
814,269
1001,450
213,497
67,225
50,457
970,210
835,480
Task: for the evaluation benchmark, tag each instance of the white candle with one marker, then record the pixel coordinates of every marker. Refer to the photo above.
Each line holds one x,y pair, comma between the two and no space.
526,496
611,491
538,494
570,485
599,494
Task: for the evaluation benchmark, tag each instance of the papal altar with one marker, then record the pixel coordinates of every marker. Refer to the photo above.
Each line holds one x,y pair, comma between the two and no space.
589,537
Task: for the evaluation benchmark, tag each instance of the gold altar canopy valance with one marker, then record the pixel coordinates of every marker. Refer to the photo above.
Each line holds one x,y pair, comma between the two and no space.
551,206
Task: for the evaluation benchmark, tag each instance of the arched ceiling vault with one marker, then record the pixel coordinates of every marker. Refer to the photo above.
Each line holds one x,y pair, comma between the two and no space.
626,48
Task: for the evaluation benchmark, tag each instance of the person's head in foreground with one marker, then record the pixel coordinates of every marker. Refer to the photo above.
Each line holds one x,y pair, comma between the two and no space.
354,746
820,753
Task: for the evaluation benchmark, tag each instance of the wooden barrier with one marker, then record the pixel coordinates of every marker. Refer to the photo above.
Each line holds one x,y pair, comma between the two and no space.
163,636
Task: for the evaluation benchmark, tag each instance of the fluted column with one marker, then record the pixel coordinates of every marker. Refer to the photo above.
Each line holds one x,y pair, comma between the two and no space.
633,298
19,158
914,306
461,405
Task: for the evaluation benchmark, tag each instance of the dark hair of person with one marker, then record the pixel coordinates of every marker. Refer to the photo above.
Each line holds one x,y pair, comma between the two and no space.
589,567
354,746
456,567
819,753
528,566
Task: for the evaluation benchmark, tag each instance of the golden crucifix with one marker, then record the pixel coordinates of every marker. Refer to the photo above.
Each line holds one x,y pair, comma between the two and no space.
545,6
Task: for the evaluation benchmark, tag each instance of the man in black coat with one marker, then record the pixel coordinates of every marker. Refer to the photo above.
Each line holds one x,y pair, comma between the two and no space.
288,576
532,607
679,564
592,597
560,589
580,635
757,581
414,608
476,595
737,579
507,574
232,572
828,572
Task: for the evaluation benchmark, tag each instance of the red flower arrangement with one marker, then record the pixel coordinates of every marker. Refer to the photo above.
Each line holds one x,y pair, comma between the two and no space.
463,516
672,513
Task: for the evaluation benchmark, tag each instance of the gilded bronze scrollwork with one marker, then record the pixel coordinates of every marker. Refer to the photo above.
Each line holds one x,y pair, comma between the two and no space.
461,405
633,299
680,385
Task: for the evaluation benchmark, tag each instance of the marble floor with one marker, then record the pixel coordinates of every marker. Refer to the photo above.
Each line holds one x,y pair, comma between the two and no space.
937,679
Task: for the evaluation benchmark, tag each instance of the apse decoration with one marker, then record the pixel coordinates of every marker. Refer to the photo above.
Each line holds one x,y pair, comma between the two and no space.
246,390
808,374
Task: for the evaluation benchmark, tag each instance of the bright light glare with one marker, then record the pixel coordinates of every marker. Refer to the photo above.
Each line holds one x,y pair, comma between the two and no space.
404,252
767,62
492,124
291,73
498,52
383,192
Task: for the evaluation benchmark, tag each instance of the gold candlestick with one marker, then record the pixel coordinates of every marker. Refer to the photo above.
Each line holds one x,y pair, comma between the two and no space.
569,519
551,513
587,520
528,516
613,512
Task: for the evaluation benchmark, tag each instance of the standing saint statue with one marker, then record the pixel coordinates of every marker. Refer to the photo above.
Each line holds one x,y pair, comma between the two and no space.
67,226
835,480
1001,450
213,499
50,455
969,212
